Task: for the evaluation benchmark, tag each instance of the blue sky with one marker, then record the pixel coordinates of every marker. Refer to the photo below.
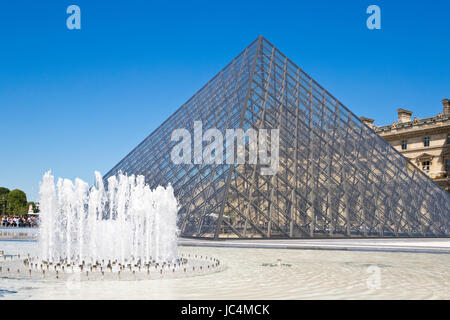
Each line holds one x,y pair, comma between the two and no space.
76,101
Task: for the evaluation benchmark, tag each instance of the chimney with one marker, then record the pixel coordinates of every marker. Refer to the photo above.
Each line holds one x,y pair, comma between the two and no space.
404,115
367,121
446,104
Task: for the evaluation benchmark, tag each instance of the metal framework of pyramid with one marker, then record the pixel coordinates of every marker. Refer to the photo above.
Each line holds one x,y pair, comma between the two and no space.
336,177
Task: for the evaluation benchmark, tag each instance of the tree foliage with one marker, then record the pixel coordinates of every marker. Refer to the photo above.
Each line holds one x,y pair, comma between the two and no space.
16,202
3,196
3,191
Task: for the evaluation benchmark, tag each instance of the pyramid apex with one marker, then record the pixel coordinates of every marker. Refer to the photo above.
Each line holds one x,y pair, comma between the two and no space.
260,38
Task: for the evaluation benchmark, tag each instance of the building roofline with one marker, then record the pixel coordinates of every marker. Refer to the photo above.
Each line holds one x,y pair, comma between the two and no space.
401,110
416,122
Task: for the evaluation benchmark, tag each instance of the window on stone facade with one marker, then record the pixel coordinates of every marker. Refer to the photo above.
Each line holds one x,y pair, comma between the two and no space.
426,166
448,139
426,142
447,166
404,144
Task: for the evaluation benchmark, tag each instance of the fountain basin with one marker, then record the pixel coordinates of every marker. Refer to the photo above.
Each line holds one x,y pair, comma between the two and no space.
33,268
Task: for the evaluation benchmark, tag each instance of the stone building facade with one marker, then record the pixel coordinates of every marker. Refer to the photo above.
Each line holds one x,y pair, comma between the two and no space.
425,142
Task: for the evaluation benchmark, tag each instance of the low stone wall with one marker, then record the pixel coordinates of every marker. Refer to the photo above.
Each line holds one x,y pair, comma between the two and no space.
14,233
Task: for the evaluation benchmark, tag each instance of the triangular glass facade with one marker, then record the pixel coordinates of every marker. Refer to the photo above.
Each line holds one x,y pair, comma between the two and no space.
336,176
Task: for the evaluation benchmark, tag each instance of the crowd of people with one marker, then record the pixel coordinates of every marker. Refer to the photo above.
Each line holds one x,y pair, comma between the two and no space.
19,221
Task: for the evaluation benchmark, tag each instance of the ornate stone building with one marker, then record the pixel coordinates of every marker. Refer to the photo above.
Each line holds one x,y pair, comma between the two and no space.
425,142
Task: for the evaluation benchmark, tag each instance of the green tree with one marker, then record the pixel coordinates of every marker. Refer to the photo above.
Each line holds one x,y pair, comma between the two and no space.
3,196
16,202
3,191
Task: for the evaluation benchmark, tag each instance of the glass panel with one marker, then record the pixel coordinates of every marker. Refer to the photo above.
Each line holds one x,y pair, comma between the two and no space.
335,177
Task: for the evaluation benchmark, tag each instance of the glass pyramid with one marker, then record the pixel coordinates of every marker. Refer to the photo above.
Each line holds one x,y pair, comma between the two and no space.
336,176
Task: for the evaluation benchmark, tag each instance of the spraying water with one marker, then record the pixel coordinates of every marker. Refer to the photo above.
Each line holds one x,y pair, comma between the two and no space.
125,223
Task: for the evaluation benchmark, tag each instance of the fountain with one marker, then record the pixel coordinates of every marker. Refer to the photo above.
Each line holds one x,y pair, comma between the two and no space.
126,231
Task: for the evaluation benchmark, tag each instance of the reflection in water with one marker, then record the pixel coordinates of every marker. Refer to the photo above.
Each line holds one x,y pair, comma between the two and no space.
6,292
278,264
312,274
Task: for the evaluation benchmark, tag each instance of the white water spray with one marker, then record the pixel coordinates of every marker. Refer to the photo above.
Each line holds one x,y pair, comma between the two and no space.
127,223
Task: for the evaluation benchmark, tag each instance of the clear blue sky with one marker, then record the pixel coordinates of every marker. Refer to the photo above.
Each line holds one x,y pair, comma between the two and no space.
78,101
